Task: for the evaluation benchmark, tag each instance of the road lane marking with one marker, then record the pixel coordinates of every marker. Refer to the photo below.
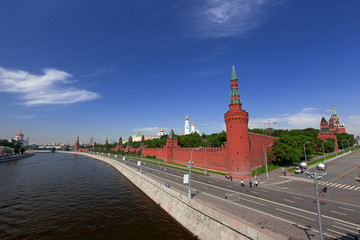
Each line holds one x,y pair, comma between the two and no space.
263,190
357,188
289,200
281,210
352,187
230,186
339,213
341,234
344,173
255,192
351,210
346,225
344,229
298,198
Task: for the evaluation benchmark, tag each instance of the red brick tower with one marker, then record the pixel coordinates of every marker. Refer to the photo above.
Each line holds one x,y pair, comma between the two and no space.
77,144
171,143
120,143
236,120
325,132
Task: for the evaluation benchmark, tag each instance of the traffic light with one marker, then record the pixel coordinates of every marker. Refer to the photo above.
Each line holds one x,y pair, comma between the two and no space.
325,189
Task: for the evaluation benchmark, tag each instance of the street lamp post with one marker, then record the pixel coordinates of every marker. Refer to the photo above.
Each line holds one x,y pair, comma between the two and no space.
265,160
348,145
323,150
305,151
142,153
335,148
316,175
190,164
205,163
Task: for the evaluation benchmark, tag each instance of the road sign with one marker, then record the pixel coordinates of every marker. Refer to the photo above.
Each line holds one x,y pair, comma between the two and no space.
186,178
283,168
138,163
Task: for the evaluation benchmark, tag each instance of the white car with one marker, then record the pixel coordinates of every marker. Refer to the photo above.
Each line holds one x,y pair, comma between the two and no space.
297,170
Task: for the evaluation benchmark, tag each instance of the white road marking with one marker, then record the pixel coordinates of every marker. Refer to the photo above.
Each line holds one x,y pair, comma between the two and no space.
357,188
294,214
347,186
352,187
351,210
338,212
263,190
299,198
344,229
230,186
342,234
255,192
346,225
289,200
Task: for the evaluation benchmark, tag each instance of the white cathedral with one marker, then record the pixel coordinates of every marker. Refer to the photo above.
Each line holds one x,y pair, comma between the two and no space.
187,128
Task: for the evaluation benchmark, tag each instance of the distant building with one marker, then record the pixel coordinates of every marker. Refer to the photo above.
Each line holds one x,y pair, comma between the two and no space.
137,137
187,130
334,123
161,133
20,137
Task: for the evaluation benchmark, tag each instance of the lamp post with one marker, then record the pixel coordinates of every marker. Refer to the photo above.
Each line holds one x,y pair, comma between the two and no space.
335,148
305,151
323,150
190,164
265,160
142,153
321,167
348,144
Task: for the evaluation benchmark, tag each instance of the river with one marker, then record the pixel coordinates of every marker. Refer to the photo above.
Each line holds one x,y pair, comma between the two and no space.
68,196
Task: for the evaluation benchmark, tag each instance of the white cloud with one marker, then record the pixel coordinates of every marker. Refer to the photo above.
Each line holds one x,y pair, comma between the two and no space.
29,116
226,18
307,118
147,129
49,88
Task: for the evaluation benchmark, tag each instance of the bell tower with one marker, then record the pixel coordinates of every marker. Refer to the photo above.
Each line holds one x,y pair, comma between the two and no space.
237,136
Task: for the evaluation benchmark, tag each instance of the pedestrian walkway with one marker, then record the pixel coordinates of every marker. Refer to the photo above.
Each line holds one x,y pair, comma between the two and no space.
331,184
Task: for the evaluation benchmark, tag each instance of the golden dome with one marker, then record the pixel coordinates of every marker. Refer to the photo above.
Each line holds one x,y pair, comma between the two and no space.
193,124
187,118
162,130
20,134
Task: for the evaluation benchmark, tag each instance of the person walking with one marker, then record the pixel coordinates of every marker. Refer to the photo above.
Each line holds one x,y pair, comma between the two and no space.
242,183
256,183
250,183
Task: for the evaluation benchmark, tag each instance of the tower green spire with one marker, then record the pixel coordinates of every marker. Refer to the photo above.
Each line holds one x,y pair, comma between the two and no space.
233,73
333,110
172,134
235,96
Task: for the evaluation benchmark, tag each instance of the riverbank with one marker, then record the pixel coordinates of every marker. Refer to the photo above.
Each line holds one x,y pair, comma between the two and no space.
202,218
15,157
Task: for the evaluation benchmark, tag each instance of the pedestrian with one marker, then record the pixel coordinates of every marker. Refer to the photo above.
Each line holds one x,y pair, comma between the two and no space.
285,173
230,178
250,183
242,183
256,183
255,178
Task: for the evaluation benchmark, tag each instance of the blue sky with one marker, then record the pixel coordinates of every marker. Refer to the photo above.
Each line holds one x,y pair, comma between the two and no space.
110,68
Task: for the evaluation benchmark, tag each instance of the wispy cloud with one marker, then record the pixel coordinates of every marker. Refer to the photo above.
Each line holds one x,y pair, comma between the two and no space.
147,129
50,88
100,71
227,18
29,116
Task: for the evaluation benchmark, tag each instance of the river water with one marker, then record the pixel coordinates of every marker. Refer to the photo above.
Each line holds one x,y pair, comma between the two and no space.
66,196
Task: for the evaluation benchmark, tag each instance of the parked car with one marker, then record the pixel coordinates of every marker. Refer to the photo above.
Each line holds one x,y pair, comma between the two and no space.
297,170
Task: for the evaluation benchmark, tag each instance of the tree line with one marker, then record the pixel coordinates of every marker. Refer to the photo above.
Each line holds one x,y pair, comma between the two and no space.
16,145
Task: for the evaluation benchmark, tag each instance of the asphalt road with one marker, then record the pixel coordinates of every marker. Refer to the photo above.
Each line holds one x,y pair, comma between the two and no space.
288,200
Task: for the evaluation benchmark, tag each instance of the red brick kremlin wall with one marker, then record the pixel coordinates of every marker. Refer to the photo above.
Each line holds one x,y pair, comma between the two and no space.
242,151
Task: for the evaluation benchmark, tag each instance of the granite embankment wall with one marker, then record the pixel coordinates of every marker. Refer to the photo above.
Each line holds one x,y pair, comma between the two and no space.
202,220
15,157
